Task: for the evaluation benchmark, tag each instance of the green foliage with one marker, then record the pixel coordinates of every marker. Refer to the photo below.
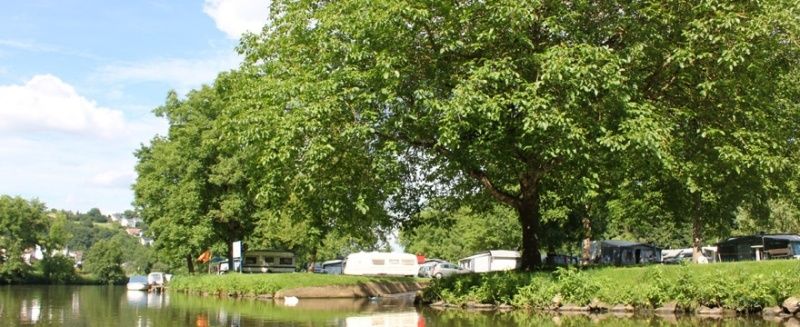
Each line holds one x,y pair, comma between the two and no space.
783,216
575,286
23,224
14,269
744,287
537,295
96,215
452,235
104,260
58,269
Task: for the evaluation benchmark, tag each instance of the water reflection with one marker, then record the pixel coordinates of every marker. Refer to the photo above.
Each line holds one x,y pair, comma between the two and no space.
136,299
403,319
115,306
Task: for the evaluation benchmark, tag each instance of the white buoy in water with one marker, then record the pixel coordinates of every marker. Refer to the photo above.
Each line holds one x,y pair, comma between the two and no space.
290,301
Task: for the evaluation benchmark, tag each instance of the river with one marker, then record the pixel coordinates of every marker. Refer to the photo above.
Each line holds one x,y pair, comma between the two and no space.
115,306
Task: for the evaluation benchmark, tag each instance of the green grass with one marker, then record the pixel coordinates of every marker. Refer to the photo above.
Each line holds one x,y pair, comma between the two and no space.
741,286
259,284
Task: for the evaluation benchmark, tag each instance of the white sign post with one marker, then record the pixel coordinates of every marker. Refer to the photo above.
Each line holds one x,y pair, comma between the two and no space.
237,254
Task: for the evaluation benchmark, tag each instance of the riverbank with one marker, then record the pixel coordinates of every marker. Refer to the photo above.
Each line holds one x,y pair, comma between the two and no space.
304,285
38,278
723,288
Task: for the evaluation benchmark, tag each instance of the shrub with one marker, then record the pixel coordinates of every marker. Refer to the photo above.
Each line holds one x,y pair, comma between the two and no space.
538,294
104,260
575,286
58,269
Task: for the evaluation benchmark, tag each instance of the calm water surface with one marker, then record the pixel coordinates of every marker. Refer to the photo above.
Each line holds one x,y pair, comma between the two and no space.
115,306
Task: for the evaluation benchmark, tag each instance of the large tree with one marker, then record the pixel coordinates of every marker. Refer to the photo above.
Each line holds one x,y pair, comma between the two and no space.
503,96
507,96
722,81
172,190
311,170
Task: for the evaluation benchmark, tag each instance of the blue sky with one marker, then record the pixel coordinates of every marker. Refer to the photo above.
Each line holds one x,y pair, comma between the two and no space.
79,79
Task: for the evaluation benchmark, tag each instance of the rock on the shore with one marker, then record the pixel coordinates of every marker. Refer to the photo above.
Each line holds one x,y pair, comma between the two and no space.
574,308
476,305
556,301
598,306
668,308
706,311
792,305
772,311
622,308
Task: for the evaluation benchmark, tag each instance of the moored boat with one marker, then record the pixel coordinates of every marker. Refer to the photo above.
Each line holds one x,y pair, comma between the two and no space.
138,283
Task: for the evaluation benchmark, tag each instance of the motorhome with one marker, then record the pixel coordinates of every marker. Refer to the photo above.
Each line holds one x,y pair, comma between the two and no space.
268,261
381,263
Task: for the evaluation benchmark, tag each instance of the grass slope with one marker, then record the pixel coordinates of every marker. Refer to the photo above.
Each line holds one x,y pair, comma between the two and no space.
258,284
741,286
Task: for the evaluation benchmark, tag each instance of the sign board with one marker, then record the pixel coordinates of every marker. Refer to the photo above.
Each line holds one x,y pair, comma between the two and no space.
237,249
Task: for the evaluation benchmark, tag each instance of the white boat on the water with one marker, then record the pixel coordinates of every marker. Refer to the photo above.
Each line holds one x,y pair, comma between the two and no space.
138,283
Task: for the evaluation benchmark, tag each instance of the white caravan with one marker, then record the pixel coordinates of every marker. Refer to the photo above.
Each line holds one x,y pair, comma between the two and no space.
494,260
381,263
268,261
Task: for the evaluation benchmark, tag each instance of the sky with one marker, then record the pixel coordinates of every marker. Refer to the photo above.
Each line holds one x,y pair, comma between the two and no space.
79,80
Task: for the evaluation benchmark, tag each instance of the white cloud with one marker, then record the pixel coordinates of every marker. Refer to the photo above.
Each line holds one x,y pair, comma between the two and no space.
179,73
114,178
54,146
46,103
235,17
32,46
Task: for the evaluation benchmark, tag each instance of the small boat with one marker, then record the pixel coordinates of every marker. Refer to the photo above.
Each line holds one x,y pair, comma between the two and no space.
138,283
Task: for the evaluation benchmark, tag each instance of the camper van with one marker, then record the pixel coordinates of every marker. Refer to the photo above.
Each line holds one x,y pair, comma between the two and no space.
268,261
381,263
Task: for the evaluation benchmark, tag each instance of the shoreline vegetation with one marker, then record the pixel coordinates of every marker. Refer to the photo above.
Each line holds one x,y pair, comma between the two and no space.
771,288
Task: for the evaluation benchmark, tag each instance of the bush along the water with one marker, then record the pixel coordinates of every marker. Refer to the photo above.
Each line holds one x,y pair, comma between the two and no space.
743,287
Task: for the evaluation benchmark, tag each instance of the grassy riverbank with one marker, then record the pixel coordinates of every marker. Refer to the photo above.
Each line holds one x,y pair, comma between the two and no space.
269,284
743,286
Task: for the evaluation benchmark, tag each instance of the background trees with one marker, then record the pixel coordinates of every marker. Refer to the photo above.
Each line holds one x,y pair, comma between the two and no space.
104,260
636,119
455,234
23,224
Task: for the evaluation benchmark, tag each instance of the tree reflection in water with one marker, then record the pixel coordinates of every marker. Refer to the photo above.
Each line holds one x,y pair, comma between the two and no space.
115,306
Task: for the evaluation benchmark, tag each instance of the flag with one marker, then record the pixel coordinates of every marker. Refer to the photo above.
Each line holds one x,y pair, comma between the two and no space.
205,256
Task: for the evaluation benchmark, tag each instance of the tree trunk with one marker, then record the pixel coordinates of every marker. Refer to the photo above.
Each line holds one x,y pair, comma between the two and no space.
190,263
529,218
587,240
697,238
312,260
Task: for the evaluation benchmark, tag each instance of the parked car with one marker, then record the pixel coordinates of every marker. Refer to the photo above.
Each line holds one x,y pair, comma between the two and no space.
444,269
425,269
680,257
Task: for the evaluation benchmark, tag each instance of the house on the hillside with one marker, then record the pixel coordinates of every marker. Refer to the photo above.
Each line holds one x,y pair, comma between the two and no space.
133,231
759,247
494,260
130,222
620,253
